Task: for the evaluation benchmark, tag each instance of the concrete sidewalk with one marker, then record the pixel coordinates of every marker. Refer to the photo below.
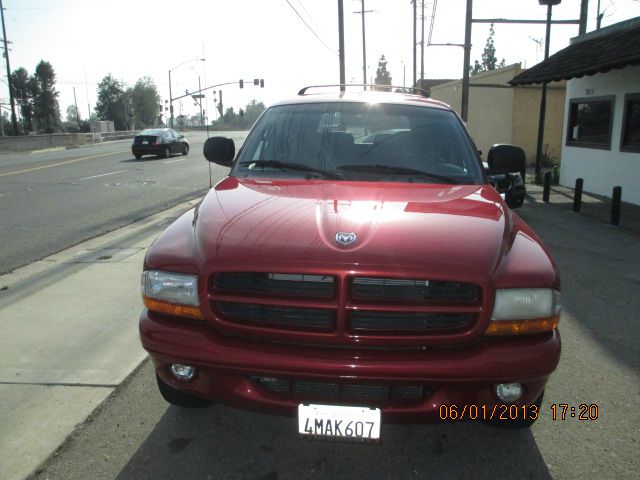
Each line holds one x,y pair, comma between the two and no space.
70,337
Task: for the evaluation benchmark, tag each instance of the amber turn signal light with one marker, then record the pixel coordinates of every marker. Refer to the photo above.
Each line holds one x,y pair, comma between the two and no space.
522,327
172,309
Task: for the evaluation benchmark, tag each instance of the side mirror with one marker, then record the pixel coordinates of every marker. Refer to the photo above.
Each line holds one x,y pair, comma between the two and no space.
220,150
508,158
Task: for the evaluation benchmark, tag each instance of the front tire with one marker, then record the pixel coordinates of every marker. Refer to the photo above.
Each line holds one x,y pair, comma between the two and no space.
137,155
166,152
185,151
179,398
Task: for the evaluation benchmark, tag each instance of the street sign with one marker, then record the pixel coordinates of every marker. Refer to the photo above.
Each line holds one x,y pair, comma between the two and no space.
197,96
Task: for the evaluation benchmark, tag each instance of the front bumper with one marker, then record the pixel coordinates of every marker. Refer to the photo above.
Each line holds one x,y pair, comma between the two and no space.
227,368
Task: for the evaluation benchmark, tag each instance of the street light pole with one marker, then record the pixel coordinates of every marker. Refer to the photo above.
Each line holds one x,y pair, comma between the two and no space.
200,100
170,103
170,95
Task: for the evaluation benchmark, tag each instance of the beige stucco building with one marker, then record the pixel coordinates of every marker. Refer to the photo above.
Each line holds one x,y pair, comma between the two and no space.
500,113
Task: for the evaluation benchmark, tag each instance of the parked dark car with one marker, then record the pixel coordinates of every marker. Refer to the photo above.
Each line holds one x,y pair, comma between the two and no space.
159,141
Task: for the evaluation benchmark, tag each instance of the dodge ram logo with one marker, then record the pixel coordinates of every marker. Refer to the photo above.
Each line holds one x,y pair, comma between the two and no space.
346,238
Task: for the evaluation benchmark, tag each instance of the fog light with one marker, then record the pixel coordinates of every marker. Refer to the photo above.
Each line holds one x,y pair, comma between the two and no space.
509,392
183,372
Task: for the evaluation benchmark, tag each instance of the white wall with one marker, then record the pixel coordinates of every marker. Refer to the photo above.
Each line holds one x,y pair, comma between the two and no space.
603,169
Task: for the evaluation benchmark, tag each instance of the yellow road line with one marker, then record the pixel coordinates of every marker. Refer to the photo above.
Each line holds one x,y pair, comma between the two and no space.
60,163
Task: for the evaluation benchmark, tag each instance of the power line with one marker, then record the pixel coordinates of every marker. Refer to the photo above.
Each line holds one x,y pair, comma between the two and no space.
299,2
310,29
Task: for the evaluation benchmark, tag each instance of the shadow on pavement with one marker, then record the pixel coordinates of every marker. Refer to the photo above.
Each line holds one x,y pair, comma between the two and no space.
224,443
598,266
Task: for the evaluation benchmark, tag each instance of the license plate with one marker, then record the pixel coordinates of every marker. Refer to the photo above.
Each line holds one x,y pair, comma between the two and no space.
145,142
333,421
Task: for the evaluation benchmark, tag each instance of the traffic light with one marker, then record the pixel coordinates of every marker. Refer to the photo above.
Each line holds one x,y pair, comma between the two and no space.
256,81
241,82
262,83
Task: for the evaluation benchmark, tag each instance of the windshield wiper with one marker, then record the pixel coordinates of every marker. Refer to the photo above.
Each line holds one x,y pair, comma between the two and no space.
292,166
400,170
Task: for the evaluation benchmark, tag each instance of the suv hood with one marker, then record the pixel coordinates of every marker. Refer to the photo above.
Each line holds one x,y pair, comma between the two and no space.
274,224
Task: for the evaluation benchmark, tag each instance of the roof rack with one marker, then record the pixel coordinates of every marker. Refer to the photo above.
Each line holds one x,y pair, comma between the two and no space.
417,90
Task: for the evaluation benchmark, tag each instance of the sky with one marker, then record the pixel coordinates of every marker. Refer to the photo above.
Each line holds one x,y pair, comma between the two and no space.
288,43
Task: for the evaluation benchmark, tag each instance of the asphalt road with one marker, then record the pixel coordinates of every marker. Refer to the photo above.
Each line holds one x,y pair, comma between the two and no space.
53,199
136,435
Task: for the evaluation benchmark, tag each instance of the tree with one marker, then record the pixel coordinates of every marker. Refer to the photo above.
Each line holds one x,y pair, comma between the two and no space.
72,114
24,91
45,103
111,103
232,120
144,101
383,77
73,123
230,117
489,60
252,111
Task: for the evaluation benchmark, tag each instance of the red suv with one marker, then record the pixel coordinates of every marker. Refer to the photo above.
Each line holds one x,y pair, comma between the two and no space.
357,265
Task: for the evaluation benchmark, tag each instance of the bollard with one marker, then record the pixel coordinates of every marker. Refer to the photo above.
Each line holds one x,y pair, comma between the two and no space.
616,199
547,187
577,195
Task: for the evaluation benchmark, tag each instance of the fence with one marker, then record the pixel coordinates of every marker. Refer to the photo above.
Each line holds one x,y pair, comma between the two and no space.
27,143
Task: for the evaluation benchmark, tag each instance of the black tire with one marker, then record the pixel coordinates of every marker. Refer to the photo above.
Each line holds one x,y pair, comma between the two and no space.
185,151
180,399
137,155
519,423
166,153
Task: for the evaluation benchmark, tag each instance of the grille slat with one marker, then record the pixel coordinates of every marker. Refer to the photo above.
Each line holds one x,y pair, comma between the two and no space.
408,322
278,316
298,285
398,290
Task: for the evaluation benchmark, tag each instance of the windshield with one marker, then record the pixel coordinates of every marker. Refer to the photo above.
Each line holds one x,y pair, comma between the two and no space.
360,141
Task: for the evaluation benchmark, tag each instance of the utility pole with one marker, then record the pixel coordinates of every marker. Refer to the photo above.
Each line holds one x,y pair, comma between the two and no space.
14,121
415,19
364,46
422,46
464,108
584,10
543,97
341,44
75,100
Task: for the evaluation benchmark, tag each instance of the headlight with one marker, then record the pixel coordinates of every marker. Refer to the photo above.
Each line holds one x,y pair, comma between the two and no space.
172,293
524,311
